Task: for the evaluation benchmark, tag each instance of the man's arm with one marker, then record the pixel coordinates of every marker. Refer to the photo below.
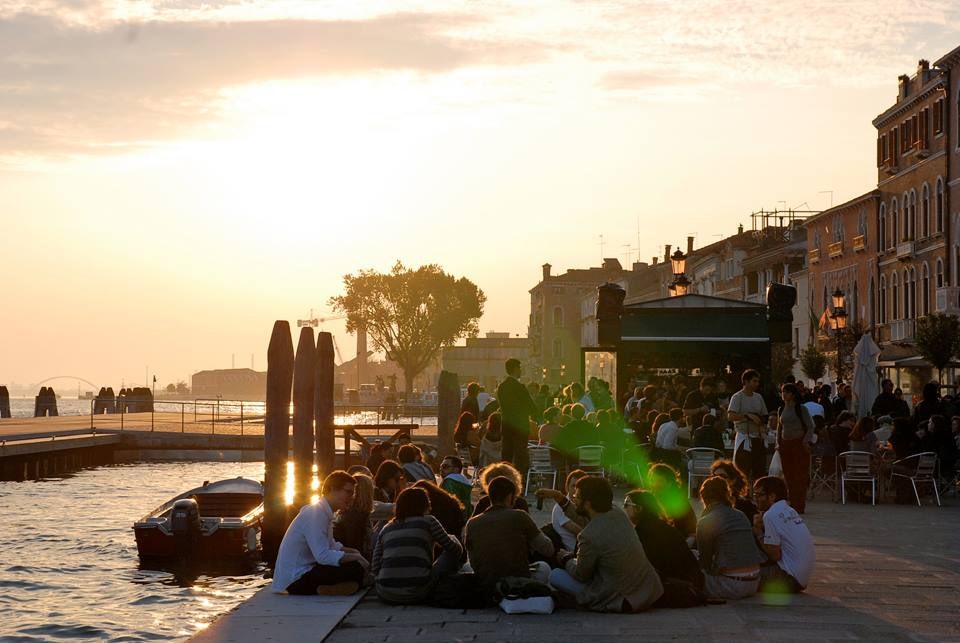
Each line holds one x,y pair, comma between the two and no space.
585,564
542,545
325,551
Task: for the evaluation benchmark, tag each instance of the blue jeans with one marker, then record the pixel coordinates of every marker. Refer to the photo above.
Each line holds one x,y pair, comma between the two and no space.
562,581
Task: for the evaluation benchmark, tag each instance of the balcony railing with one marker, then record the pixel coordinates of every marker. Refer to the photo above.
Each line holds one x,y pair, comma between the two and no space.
905,250
948,300
860,243
815,255
901,330
835,249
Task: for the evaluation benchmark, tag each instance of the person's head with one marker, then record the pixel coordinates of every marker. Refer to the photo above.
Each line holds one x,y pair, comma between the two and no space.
497,470
577,411
825,391
662,476
363,493
750,380
660,420
512,367
898,393
451,464
768,490
901,427
931,391
592,496
729,471
790,394
411,503
955,424
846,419
570,484
494,425
338,489
641,505
551,414
789,379
390,476
676,414
846,391
359,468
706,385
715,490
576,391
502,492
638,392
862,428
707,419
886,386
440,499
938,425
473,389
408,453
650,391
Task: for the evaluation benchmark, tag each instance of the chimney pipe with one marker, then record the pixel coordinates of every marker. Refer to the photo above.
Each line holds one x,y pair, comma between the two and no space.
689,246
666,253
546,271
740,229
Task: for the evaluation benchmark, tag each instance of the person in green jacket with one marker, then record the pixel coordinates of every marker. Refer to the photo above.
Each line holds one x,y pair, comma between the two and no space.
451,469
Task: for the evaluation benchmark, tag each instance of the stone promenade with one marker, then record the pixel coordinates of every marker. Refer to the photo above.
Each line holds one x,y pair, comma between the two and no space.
885,573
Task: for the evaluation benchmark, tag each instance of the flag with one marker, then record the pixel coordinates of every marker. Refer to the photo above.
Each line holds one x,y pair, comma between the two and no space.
825,320
154,379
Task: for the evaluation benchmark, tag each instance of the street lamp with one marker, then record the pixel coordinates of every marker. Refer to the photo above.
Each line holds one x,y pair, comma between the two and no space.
681,284
838,321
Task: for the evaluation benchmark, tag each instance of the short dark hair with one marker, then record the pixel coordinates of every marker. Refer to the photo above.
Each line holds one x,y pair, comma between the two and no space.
748,375
411,502
407,453
844,416
454,460
336,481
676,414
646,501
501,488
511,364
706,381
597,492
387,471
573,476
472,388
715,489
772,484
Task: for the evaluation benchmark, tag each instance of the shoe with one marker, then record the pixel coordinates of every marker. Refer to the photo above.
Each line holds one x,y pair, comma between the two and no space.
339,589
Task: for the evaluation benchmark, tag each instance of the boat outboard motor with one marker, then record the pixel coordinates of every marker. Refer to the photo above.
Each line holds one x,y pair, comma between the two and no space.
185,524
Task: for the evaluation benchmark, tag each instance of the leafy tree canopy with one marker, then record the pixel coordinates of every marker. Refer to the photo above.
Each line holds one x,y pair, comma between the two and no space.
411,314
813,363
936,337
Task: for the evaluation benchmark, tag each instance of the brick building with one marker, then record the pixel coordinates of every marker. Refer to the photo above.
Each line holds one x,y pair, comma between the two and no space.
482,358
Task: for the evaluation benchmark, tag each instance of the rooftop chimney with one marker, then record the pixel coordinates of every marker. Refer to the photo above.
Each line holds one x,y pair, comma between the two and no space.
546,271
923,71
689,246
653,261
612,265
740,229
666,253
903,87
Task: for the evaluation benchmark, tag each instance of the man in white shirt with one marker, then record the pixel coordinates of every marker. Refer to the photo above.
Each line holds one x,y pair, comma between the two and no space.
669,432
748,412
786,540
310,561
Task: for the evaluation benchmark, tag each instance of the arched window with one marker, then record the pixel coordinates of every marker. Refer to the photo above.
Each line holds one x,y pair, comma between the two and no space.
883,299
894,222
557,348
938,205
939,273
854,306
882,228
558,316
910,208
895,297
910,294
925,293
925,209
872,304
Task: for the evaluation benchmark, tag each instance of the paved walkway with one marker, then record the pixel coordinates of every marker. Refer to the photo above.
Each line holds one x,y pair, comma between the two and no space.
885,573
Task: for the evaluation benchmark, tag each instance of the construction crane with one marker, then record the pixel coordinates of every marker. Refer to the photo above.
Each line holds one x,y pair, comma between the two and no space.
315,322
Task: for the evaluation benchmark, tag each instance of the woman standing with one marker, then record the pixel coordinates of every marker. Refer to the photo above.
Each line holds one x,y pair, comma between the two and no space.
794,436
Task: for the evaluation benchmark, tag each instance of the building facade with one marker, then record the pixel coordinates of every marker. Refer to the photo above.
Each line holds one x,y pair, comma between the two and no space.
482,359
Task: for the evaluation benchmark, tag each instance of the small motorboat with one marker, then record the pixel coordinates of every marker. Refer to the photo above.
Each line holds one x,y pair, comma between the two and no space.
217,521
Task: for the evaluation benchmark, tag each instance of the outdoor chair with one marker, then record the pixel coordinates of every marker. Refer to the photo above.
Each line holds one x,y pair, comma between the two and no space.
541,466
591,460
469,468
857,466
919,468
636,460
699,461
823,475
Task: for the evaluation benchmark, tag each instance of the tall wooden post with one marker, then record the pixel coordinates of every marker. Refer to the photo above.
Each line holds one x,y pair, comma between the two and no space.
304,379
323,405
275,447
4,402
448,410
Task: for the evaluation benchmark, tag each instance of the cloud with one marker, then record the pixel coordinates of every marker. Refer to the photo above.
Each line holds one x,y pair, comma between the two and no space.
77,88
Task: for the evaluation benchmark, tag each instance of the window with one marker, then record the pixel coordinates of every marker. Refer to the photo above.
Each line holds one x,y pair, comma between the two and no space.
909,216
837,227
938,206
925,285
939,273
909,295
895,297
938,116
558,290
894,223
557,349
883,299
882,228
925,209
753,283
558,317
871,305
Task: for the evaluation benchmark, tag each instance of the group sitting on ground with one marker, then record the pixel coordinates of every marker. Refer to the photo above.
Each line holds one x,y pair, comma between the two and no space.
407,539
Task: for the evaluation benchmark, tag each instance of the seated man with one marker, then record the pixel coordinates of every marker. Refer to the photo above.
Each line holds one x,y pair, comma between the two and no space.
499,540
575,434
707,435
610,571
786,540
310,561
451,468
411,459
728,552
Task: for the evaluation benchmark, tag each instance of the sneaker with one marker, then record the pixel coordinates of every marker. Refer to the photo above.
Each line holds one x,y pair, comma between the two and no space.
339,589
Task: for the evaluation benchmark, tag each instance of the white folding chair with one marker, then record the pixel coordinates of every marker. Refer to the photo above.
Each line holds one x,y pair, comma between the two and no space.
857,466
541,466
821,479
925,471
699,461
591,460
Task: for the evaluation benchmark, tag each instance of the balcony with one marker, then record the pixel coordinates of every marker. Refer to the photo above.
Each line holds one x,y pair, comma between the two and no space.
891,169
860,243
905,250
835,249
815,255
948,300
901,330
921,152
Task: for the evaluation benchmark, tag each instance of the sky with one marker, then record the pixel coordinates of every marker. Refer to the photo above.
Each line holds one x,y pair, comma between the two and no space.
176,174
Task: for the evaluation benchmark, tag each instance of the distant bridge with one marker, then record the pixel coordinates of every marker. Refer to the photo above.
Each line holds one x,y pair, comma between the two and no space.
69,377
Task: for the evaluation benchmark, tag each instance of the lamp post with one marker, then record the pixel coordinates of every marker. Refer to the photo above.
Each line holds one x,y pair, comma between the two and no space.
838,321
681,284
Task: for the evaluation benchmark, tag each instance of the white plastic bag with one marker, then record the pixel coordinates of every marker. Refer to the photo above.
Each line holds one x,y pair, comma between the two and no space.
776,467
535,605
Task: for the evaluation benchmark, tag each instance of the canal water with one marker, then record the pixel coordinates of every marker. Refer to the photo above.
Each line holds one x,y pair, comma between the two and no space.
68,560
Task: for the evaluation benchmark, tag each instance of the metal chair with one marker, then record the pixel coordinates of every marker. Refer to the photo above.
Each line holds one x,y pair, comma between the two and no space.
821,478
541,466
636,460
857,466
926,466
699,461
591,460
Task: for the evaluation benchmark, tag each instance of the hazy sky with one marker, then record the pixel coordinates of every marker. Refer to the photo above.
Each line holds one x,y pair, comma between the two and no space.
175,175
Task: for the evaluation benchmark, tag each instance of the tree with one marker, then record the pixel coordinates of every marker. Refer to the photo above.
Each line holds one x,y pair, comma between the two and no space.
936,339
171,388
813,363
411,314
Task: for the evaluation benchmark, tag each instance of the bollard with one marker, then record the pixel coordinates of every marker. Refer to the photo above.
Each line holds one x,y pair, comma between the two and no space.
323,406
4,402
98,402
110,401
45,403
275,439
304,378
448,410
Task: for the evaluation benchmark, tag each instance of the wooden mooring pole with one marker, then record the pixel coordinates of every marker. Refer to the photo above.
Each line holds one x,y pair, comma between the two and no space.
448,411
323,406
304,379
4,402
275,444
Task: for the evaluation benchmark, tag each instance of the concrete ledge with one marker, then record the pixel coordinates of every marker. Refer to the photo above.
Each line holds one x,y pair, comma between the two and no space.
52,444
279,617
